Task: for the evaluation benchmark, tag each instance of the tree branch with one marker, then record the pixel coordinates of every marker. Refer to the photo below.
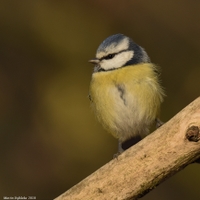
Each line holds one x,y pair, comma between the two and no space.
148,163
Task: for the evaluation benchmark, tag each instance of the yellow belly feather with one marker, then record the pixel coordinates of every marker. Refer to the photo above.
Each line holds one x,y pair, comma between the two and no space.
127,100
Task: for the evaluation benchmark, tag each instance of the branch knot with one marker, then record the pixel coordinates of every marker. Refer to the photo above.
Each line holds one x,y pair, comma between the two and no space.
193,134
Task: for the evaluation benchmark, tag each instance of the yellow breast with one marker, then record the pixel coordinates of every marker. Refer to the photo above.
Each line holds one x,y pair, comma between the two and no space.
126,100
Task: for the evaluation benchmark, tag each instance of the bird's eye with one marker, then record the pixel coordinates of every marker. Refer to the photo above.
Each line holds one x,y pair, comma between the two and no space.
109,56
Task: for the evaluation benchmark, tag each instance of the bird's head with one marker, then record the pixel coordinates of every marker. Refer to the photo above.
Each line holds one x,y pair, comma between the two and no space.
118,51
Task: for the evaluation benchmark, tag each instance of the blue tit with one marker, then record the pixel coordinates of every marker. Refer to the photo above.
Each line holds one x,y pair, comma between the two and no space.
125,90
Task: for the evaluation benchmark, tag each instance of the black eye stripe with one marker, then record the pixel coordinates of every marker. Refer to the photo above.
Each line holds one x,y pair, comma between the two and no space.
110,56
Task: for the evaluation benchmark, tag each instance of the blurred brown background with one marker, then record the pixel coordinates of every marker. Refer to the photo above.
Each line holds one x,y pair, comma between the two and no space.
49,137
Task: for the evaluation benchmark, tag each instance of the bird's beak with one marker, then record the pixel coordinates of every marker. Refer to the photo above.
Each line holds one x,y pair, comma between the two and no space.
94,61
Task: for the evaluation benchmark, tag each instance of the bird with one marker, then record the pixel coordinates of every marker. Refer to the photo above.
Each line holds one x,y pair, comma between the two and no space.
125,91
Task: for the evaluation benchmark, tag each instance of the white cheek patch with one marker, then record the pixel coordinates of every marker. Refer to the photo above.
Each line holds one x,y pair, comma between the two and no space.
118,61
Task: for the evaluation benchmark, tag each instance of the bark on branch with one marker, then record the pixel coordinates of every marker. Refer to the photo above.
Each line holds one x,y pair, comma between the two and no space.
148,163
